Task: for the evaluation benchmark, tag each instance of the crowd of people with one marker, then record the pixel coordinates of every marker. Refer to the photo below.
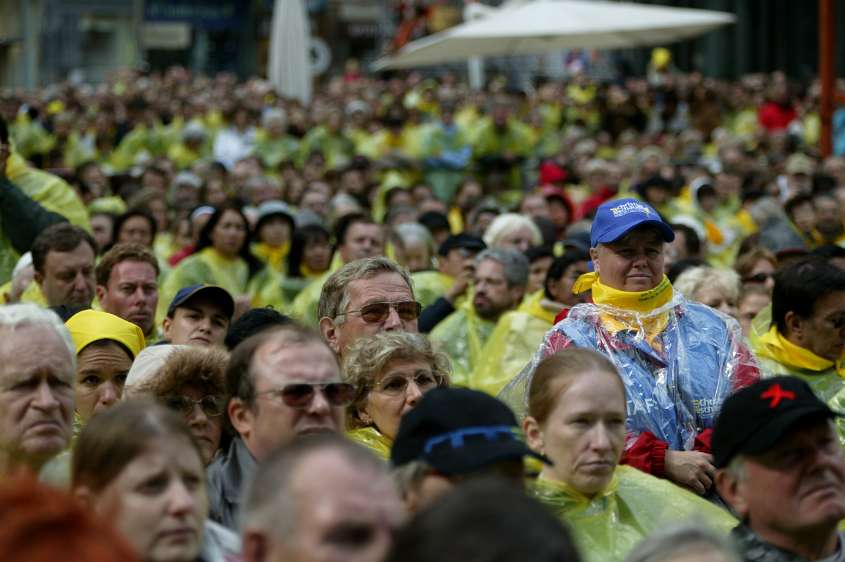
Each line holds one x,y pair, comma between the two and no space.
411,321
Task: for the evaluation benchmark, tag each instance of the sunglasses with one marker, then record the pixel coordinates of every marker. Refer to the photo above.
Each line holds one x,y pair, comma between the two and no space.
759,278
379,311
299,395
211,406
398,385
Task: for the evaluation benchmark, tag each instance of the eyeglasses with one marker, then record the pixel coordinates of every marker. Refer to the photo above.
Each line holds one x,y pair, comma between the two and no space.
211,406
398,385
379,311
759,278
299,395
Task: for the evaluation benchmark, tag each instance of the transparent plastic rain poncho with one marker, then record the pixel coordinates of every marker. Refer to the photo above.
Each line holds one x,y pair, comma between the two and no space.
827,381
609,525
373,439
511,345
678,361
462,336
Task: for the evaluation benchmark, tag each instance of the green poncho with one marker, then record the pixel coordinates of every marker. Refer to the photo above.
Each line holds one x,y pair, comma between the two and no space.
609,525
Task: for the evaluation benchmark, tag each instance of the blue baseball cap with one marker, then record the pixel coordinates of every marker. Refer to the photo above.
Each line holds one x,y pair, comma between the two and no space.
615,218
216,294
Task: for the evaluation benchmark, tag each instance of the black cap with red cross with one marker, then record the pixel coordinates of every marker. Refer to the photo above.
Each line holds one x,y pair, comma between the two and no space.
757,417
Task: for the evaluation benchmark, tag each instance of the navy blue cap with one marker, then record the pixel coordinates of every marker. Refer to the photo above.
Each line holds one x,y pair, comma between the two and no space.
458,431
615,218
216,294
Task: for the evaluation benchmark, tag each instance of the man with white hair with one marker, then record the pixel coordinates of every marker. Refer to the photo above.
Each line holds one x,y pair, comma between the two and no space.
37,367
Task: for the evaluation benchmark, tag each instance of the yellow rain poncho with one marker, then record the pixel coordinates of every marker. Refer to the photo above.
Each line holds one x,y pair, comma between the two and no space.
372,439
430,285
462,336
778,356
209,267
52,192
512,344
304,307
608,526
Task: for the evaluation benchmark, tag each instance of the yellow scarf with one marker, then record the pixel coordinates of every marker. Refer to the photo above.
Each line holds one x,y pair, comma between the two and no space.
274,256
533,305
773,345
632,308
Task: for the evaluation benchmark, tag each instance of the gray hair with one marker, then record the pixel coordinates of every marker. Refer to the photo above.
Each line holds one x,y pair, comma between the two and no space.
676,540
334,298
507,223
409,476
270,504
694,279
410,232
16,316
515,264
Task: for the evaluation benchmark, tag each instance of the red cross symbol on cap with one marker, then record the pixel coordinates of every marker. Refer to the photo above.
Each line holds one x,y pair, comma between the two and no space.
775,393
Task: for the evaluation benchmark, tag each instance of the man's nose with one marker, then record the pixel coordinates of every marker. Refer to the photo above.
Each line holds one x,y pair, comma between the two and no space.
393,321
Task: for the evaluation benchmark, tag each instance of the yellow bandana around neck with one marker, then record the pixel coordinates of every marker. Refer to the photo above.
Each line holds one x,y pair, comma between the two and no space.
634,302
775,346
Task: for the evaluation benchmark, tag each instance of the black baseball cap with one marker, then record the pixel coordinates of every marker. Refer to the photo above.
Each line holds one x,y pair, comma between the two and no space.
458,431
216,294
753,420
462,240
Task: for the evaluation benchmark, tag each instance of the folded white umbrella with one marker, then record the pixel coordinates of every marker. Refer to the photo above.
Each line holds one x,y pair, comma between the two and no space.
541,26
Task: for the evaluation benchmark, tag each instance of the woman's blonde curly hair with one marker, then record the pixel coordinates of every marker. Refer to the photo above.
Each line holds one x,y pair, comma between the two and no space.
364,363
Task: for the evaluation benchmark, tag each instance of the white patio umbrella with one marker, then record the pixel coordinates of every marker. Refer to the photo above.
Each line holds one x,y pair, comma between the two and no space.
289,67
540,26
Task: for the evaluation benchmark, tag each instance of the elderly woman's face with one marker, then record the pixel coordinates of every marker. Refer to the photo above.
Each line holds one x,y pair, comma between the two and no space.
633,263
204,415
396,391
518,239
101,370
159,502
716,297
585,432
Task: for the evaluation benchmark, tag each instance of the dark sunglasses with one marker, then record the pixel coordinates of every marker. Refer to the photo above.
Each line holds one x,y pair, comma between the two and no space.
300,395
379,311
759,278
211,406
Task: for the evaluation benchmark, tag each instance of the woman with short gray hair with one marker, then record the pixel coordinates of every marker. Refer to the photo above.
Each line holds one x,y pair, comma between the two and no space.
390,371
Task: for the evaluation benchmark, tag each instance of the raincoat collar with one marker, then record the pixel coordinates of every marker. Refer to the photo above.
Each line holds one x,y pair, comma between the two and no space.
773,345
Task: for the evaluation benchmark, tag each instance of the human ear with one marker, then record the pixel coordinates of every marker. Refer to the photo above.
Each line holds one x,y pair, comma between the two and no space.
165,326
731,489
254,546
794,326
594,256
533,434
240,415
329,331
101,293
39,278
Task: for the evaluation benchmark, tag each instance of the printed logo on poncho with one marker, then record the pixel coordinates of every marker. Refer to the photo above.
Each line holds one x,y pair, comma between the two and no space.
629,207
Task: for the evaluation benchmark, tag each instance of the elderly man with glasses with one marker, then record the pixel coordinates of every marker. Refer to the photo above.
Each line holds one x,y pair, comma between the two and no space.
283,382
363,298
